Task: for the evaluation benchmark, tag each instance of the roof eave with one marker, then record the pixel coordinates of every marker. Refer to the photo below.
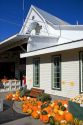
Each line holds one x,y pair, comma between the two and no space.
56,48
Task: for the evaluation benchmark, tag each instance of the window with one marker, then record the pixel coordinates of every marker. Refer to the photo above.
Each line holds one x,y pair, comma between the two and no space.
56,72
36,72
81,71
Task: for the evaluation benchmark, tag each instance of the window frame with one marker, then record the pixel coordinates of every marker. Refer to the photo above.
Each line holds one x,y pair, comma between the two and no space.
34,84
52,72
81,71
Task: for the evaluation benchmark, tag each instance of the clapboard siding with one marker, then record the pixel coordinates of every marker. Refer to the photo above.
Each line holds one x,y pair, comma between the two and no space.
69,73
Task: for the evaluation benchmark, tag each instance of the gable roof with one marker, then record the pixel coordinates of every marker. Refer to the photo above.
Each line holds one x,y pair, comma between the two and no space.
50,18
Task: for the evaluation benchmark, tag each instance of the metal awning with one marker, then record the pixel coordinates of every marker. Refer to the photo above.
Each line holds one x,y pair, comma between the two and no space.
13,41
56,48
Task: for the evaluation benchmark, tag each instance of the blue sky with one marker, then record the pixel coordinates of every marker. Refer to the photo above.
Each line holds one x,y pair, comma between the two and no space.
11,13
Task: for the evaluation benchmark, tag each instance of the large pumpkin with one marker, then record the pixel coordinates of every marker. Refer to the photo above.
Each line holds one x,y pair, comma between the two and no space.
69,117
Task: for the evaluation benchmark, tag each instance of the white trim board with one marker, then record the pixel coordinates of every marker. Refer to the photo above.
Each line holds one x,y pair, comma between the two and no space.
57,48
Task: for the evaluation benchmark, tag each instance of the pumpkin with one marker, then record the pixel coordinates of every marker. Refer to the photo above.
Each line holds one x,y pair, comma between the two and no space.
24,110
44,117
29,111
35,114
39,103
69,117
16,98
34,108
24,98
55,110
60,112
48,109
59,117
9,96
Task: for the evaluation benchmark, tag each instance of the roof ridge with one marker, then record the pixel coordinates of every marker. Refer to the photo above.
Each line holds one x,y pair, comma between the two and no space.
42,12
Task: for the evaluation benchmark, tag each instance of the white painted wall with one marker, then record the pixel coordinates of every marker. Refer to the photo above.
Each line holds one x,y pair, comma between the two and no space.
70,35
39,20
69,73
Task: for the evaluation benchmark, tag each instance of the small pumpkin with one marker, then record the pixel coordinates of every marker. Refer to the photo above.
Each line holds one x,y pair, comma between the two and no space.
59,117
16,98
35,114
24,98
44,117
69,117
29,111
34,108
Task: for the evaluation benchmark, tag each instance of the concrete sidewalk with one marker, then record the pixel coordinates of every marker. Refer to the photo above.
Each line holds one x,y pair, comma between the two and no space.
25,121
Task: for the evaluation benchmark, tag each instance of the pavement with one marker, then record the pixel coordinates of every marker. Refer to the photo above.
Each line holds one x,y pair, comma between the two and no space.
25,121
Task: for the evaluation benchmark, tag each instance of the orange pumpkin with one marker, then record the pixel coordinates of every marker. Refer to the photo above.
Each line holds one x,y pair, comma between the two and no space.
48,109
24,110
35,114
44,117
16,98
34,108
24,98
69,117
39,103
59,117
9,96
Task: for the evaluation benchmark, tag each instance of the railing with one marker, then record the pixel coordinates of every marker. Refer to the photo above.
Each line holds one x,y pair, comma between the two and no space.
11,85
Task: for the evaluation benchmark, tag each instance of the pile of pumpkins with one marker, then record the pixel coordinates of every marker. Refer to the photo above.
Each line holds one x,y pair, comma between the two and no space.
15,96
54,112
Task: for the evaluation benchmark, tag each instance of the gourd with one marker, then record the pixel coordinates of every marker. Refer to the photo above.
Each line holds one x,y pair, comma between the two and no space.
81,122
59,104
51,120
76,121
57,123
63,108
44,105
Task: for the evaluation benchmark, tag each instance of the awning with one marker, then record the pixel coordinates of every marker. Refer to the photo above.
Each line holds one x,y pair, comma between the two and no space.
13,41
56,48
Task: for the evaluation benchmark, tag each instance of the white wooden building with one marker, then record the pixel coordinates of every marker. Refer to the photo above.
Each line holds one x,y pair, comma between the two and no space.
54,57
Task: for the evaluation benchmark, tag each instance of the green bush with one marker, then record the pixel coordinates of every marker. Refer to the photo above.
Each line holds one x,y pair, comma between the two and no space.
23,91
44,97
27,93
